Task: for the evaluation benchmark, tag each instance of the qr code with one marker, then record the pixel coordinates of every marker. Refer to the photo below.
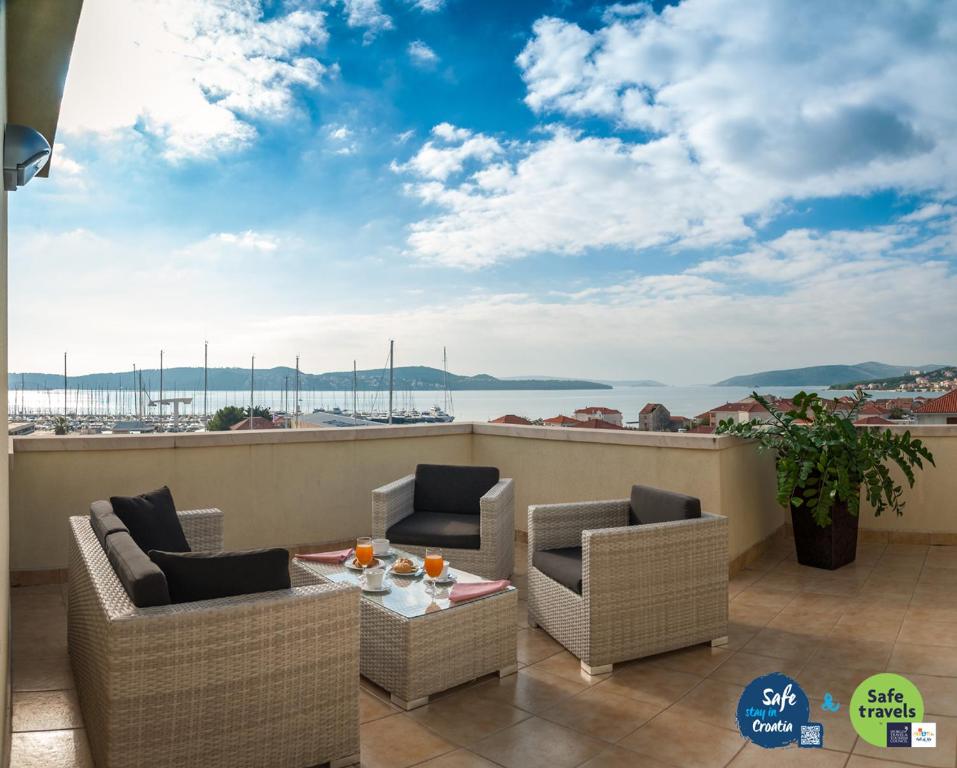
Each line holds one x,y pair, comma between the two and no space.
812,735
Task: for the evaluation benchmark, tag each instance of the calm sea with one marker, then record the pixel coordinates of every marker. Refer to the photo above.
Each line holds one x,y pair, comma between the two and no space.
466,406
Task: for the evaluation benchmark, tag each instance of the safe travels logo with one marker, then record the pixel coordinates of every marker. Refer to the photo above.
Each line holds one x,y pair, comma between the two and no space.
887,710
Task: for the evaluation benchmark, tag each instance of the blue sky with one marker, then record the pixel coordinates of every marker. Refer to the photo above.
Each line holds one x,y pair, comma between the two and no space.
613,190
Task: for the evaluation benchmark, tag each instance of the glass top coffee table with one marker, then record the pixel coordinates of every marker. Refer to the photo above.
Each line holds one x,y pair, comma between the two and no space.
415,644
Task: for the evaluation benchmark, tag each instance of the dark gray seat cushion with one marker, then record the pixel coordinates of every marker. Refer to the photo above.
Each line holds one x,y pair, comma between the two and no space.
564,565
104,521
142,579
452,489
437,529
195,576
151,520
652,505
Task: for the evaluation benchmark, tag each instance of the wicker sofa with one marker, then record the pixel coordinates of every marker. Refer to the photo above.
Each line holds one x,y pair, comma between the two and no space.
255,680
491,553
645,589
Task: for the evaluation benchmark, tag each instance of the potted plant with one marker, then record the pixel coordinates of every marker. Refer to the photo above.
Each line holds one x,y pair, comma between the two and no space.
61,425
824,466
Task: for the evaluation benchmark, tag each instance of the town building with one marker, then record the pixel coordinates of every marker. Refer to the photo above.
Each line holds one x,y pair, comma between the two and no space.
599,412
511,418
560,421
938,410
654,417
596,424
259,422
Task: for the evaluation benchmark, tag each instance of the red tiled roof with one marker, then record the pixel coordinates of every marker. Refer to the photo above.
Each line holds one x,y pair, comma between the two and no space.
679,418
872,409
750,407
595,424
258,423
943,404
649,407
560,420
510,418
869,420
597,409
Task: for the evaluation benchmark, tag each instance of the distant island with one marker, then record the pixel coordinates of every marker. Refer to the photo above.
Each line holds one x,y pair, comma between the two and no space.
942,378
407,378
824,375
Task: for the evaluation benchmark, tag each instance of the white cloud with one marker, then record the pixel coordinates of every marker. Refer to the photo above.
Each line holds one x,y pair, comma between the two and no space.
456,147
194,75
421,54
228,247
745,110
428,6
369,15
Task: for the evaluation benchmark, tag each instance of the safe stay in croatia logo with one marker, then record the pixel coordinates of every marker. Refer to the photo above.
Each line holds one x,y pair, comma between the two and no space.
774,711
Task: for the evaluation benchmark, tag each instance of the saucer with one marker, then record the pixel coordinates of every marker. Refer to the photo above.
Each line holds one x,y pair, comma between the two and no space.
449,578
380,591
388,555
350,564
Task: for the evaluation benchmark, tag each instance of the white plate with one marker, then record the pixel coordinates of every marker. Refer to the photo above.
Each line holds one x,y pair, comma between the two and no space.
417,572
352,567
380,591
450,578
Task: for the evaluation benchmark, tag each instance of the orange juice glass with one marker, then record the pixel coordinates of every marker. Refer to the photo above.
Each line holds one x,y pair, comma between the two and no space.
433,563
364,551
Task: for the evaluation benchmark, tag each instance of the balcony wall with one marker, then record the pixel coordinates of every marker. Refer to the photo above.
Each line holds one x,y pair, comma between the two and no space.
307,487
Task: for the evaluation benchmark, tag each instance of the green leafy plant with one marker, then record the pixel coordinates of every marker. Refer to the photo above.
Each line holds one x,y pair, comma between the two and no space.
823,459
61,425
224,418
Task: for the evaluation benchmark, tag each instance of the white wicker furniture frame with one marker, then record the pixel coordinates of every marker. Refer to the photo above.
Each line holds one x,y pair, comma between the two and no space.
646,589
494,559
244,682
415,657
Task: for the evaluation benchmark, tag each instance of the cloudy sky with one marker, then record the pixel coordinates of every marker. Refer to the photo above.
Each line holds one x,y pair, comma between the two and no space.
545,187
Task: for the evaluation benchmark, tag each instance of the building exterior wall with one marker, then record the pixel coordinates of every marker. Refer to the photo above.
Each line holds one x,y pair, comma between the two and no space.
4,470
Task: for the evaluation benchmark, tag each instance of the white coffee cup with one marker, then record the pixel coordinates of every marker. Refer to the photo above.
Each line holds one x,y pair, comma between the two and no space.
374,578
380,546
445,571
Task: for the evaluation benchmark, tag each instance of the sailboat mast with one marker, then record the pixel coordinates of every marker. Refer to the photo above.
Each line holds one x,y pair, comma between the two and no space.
64,383
205,381
355,387
391,374
297,391
161,386
445,372
252,389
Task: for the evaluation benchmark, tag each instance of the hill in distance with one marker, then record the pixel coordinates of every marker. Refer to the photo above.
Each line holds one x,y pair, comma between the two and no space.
416,377
820,375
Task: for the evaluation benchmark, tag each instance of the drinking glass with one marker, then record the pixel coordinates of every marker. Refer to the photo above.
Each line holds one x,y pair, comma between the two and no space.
433,564
364,551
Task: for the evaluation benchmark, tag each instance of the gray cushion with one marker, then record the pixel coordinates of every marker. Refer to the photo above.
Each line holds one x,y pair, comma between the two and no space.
209,575
452,489
142,579
104,521
564,565
652,505
152,521
437,529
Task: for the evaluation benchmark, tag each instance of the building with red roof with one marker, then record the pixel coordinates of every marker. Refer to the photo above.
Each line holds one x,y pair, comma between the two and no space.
259,422
599,412
511,418
872,421
560,421
654,417
596,424
938,410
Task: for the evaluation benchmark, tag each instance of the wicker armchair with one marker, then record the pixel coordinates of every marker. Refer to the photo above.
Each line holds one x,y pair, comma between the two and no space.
495,556
263,679
645,589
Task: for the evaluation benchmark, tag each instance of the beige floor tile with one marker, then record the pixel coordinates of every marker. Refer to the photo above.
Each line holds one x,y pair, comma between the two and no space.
913,550
530,689
398,741
460,758
759,595
939,694
465,717
943,756
923,659
46,711
711,701
538,743
373,708
619,757
651,684
785,644
739,635
534,645
601,714
40,673
753,756
936,613
743,667
941,557
50,749
751,615
42,634
927,633
839,734
841,682
699,660
670,739
566,666
857,761
867,655
883,629
521,614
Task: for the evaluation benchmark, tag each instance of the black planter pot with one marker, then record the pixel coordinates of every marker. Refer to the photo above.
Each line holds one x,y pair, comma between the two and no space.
829,547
